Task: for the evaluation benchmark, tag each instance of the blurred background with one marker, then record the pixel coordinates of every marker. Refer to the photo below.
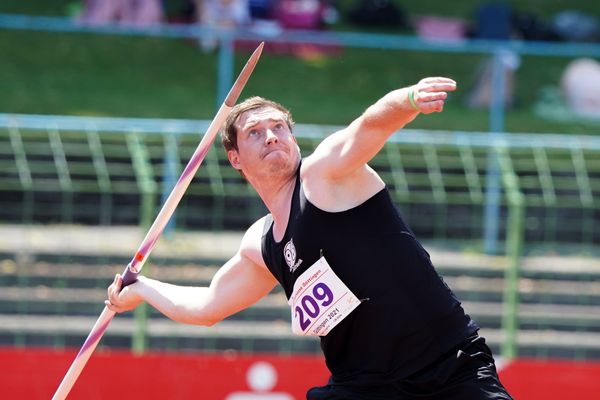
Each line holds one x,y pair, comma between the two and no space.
103,102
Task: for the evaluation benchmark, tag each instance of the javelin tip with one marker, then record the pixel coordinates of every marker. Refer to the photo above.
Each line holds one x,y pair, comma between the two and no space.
240,82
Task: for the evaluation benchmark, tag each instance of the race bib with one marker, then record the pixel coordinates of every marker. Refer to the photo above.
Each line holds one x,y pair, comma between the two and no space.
320,301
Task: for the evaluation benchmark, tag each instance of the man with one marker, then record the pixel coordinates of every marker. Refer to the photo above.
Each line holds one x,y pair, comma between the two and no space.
352,270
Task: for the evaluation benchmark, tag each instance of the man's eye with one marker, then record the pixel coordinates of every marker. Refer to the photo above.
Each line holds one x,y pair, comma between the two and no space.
279,126
253,133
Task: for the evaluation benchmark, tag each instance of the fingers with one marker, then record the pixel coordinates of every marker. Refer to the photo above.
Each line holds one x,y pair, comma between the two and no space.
426,97
112,307
431,107
121,299
115,288
437,84
113,291
430,94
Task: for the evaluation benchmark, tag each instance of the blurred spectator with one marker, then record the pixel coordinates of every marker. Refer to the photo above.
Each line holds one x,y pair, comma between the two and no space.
482,92
219,14
223,13
432,27
301,14
180,11
261,9
378,13
528,26
499,21
575,26
493,21
580,84
130,12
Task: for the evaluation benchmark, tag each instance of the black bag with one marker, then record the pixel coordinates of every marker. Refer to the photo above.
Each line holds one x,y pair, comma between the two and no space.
378,13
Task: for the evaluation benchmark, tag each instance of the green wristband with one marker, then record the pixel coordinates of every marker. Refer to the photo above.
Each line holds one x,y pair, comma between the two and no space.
411,98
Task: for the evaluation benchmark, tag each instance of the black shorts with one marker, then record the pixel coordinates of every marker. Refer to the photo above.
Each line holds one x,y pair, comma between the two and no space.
469,373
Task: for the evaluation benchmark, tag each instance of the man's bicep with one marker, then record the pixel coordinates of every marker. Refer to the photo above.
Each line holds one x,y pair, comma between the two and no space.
239,284
341,155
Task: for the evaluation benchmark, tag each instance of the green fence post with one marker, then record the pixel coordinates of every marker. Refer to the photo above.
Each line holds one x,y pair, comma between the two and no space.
585,193
548,192
514,248
144,177
23,267
217,187
147,187
436,180
64,176
394,158
25,179
170,171
139,342
473,179
471,174
102,176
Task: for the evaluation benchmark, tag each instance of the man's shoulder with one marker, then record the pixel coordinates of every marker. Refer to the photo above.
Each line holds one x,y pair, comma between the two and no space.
251,245
253,236
258,226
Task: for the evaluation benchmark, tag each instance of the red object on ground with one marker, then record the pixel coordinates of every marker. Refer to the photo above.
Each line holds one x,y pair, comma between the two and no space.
34,373
530,379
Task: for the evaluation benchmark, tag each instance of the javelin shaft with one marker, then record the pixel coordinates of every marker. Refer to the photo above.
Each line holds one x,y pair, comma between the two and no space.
135,266
84,354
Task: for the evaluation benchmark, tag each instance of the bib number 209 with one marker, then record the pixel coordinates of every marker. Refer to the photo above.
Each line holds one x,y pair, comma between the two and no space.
319,301
310,304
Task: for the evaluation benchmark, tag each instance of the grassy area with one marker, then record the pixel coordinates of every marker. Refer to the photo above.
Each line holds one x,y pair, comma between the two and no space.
465,8
458,8
104,75
87,74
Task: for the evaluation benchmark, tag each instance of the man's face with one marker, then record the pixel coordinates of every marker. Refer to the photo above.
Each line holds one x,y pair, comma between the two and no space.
265,143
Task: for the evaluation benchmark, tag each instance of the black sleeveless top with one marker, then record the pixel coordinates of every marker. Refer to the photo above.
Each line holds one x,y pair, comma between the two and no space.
408,317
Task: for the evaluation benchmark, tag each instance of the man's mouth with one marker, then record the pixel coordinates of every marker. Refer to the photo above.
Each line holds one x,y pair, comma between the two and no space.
272,151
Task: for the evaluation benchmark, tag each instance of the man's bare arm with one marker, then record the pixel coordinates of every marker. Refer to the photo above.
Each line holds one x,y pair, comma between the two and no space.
349,149
239,283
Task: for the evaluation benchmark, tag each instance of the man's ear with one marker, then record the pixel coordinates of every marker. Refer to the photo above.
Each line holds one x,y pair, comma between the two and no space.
234,159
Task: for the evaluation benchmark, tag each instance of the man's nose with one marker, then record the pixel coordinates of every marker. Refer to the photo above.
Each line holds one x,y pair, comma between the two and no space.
271,137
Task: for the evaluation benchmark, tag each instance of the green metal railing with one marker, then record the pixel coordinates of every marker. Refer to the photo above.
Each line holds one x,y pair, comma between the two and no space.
122,174
102,172
497,50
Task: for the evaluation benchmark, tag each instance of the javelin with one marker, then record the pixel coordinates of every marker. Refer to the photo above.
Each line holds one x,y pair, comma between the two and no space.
135,266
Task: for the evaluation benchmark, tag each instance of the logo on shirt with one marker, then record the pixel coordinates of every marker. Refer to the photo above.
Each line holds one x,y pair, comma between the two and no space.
289,253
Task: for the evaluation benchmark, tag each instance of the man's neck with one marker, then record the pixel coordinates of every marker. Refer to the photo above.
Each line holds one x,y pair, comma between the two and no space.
277,197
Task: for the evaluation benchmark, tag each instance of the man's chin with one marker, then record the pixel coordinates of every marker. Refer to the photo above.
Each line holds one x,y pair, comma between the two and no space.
274,153
279,163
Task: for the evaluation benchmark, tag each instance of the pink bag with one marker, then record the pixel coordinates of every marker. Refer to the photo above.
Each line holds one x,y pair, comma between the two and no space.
300,14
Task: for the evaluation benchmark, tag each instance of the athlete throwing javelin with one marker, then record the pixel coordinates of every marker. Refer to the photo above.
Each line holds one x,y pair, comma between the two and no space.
352,270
